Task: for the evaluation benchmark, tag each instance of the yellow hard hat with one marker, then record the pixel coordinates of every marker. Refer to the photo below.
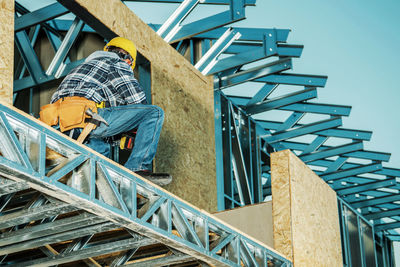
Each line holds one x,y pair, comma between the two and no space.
125,44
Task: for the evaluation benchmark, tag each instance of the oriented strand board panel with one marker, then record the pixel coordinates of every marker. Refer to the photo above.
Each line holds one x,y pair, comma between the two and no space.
253,220
306,219
6,50
187,145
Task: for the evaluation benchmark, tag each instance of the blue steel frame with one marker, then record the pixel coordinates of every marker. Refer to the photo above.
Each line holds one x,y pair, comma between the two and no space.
365,242
337,164
239,145
227,59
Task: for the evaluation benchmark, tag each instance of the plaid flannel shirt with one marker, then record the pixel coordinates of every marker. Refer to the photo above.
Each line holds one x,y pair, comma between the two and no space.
102,77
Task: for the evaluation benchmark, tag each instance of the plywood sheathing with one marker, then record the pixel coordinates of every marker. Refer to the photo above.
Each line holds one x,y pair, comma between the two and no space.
254,220
187,143
306,220
6,50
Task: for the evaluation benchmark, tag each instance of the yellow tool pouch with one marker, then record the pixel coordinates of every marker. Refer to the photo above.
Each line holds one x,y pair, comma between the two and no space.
70,112
49,113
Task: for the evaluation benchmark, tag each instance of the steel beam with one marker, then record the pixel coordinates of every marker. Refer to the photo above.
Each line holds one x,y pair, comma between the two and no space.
123,259
386,226
389,172
248,34
347,133
9,186
94,251
351,172
253,73
335,132
328,109
29,56
262,94
39,16
337,164
281,101
291,121
382,214
33,214
45,229
334,110
370,155
375,201
334,151
362,154
249,57
163,261
283,50
65,46
314,145
23,11
393,237
366,187
239,166
13,244
295,79
305,129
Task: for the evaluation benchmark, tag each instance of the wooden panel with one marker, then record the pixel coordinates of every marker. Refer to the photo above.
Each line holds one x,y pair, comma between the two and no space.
254,220
281,208
6,50
187,145
306,220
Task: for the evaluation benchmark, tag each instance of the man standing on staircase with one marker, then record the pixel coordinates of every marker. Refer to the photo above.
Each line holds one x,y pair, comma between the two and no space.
106,78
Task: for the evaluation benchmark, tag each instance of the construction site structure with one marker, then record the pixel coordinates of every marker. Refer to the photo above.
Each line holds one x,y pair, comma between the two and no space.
247,189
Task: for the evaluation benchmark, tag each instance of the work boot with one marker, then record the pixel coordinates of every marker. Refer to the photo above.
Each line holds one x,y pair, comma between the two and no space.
160,179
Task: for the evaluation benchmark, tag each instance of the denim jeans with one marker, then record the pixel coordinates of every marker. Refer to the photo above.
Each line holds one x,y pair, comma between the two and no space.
148,120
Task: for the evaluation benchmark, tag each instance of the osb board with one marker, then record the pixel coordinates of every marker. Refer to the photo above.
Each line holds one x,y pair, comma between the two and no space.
281,208
6,50
187,143
312,221
254,220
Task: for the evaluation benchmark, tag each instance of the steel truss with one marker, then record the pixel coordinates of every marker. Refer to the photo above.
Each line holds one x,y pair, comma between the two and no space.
65,203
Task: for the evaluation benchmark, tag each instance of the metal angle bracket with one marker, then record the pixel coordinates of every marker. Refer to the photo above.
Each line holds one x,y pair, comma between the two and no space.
269,42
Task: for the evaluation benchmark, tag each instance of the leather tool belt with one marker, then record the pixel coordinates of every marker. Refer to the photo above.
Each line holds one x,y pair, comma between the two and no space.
68,112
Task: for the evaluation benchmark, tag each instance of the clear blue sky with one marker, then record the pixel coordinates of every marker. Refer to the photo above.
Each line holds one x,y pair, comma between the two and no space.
356,43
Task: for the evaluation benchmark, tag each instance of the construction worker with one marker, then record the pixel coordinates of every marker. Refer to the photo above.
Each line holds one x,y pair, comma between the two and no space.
107,79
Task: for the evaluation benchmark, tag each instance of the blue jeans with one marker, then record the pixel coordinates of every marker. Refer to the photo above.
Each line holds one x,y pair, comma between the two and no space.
148,119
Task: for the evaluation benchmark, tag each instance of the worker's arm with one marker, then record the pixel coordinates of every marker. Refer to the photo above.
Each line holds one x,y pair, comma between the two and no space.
126,86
